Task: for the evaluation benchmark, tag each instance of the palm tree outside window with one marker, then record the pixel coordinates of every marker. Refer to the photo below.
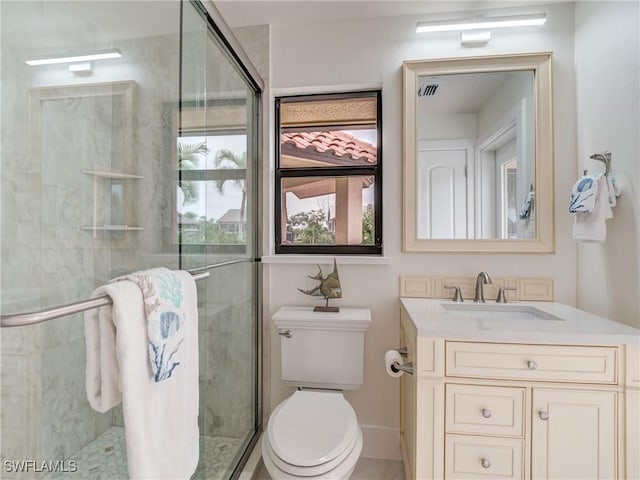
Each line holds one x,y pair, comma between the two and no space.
226,159
212,193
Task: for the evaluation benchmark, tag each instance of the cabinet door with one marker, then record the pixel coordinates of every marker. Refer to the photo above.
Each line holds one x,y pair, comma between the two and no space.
633,434
573,434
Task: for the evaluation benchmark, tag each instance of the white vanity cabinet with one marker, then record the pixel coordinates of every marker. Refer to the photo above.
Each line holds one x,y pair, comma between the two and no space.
493,408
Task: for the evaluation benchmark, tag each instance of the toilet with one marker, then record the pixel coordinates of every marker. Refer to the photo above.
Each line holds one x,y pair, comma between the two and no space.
315,432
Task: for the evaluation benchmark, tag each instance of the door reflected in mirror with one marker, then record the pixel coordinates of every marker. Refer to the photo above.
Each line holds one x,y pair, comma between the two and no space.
478,154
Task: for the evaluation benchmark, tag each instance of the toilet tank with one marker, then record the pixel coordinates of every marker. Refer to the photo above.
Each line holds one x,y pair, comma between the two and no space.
325,349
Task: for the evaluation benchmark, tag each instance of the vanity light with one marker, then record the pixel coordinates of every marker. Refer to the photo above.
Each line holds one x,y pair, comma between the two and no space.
75,57
481,23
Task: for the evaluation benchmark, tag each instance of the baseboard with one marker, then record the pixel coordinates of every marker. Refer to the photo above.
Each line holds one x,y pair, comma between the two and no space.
381,442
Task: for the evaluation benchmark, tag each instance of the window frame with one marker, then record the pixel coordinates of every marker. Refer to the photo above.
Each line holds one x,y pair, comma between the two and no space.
362,170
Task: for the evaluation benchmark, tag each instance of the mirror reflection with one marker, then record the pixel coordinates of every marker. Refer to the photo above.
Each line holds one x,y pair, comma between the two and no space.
478,154
475,155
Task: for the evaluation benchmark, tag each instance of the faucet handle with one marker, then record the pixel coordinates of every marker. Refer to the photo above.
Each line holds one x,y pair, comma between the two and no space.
502,298
457,295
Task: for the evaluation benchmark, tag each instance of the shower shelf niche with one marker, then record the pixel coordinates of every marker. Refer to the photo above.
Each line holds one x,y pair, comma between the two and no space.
117,196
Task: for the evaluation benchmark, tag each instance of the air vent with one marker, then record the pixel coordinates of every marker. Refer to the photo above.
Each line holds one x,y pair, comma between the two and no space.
428,90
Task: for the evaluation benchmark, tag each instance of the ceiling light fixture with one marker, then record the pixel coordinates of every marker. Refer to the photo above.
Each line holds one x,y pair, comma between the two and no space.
482,23
75,57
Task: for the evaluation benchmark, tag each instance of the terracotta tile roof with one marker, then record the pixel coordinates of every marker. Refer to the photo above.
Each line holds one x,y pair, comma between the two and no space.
332,145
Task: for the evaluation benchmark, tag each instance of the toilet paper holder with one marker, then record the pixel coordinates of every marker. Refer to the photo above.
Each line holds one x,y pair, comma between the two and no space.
405,367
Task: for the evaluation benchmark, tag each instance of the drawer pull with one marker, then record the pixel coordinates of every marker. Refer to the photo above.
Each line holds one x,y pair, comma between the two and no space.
486,413
485,463
532,365
543,415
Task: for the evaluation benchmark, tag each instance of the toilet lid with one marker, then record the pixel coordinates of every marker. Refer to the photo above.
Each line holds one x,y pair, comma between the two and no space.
311,427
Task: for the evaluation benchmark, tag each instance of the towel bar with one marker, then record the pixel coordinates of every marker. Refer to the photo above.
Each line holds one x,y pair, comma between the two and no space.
31,318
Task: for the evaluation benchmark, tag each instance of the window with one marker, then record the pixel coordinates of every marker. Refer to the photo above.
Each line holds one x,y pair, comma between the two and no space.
214,203
329,174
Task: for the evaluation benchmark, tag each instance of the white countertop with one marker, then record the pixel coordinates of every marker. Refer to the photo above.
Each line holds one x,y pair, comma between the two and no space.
573,326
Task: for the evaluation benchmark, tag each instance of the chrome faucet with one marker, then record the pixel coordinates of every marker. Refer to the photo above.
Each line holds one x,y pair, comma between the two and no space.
483,277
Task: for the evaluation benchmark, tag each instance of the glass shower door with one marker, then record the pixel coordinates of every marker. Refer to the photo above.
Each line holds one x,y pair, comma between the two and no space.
138,161
216,200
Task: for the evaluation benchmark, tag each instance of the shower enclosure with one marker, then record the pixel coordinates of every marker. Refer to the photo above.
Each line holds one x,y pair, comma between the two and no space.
138,152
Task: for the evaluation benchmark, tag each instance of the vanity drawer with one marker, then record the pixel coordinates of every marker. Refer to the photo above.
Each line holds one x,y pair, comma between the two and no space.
484,410
555,363
483,457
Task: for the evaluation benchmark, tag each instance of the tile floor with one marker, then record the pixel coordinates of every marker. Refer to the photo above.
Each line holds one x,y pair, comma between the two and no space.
366,469
106,458
376,469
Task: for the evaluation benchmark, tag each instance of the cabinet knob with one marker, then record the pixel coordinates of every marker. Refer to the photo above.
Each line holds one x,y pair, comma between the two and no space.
286,333
532,365
486,413
485,463
543,415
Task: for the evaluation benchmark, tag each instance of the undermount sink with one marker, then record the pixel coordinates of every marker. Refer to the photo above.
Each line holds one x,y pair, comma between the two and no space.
496,311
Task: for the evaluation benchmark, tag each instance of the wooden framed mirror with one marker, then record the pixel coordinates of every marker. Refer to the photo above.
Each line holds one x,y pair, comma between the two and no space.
478,154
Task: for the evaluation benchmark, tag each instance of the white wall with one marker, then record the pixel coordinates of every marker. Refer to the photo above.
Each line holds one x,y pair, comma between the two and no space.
607,44
448,126
371,51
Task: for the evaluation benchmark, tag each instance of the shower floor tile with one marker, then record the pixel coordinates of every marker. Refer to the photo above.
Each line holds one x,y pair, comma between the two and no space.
217,456
106,458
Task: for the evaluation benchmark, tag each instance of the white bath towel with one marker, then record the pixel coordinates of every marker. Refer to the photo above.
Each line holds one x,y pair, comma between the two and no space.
591,226
161,419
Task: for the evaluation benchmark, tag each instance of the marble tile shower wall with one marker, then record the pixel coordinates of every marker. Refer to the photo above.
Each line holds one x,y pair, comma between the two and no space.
20,183
47,259
228,343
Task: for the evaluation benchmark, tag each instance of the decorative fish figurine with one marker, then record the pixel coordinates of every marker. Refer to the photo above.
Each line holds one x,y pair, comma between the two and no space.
329,287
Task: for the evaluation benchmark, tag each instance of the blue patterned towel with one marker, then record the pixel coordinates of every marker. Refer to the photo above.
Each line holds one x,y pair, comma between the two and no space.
584,194
163,296
527,206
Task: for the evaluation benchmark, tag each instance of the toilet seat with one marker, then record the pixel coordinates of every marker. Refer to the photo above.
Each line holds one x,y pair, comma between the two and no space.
341,471
312,433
